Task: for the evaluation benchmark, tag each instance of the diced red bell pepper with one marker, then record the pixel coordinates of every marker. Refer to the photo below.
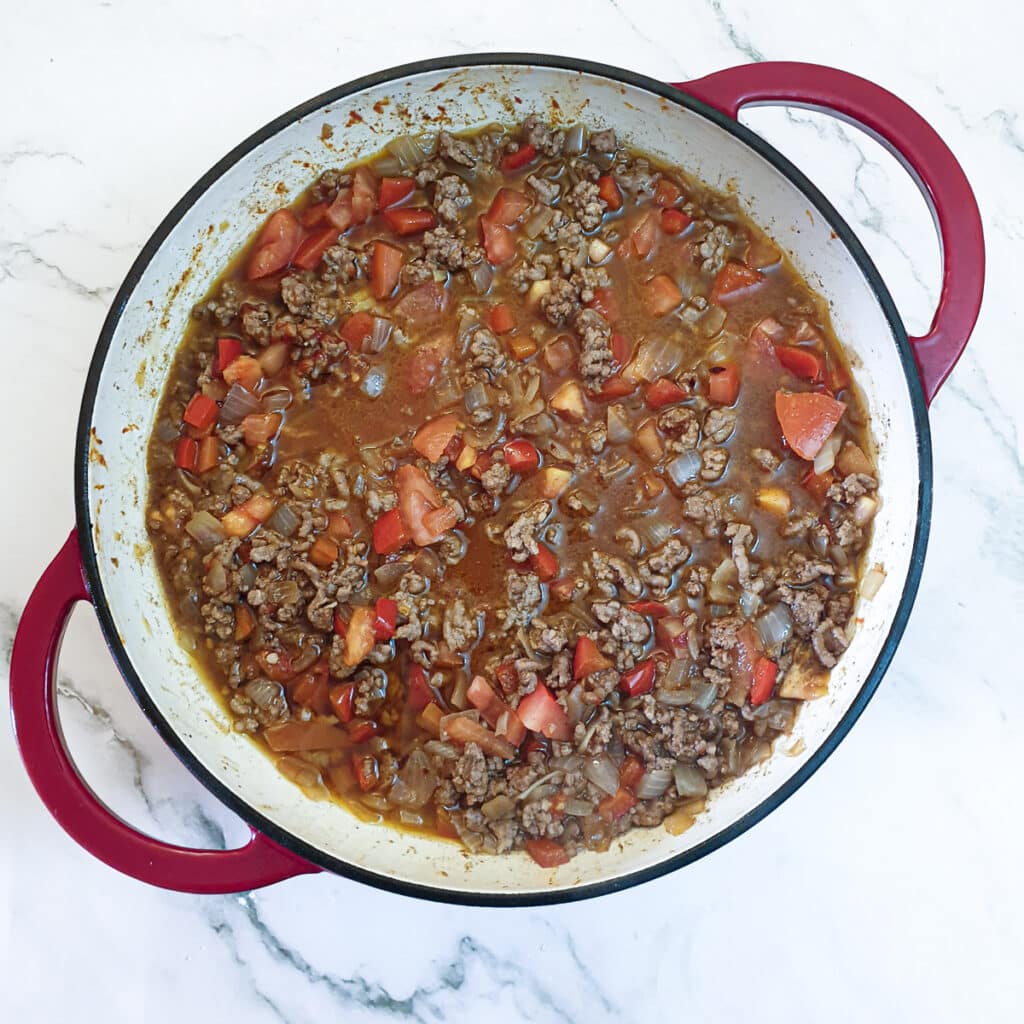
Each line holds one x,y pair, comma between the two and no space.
724,384
500,319
645,234
356,329
186,454
655,609
389,533
493,710
622,351
666,193
508,206
309,689
807,419
588,659
201,412
385,267
615,387
314,215
312,248
734,279
608,189
275,245
365,771
209,454
324,552
521,456
631,771
801,362
547,853
362,729
562,589
342,697
817,484
638,680
364,195
605,302
339,212
540,712
675,222
339,527
228,350
410,220
420,693
394,190
507,676
498,240
765,671
386,621
611,808
663,392
280,669
670,635
423,511
512,162
544,563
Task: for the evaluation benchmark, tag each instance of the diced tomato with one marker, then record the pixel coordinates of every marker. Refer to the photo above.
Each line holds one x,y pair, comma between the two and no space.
670,635
341,697
339,527
201,411
434,436
339,213
259,506
744,657
547,853
498,240
228,350
493,708
647,441
423,305
765,671
389,533
385,267
524,155
509,206
734,279
417,499
276,665
675,222
410,220
605,302
666,193
424,366
359,639
209,454
663,392
631,771
611,808
817,484
724,384
420,693
622,351
439,521
310,690
802,362
275,245
608,190
394,190
767,332
639,680
540,712
237,523
521,347
544,563
365,771
244,370
260,427
186,454
807,419
324,552
362,729
645,234
385,620
314,215
655,609
500,319
588,659
464,730
364,195
521,456
615,387
312,248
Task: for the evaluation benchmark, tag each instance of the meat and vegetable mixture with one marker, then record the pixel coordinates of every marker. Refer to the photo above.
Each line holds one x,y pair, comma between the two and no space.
513,487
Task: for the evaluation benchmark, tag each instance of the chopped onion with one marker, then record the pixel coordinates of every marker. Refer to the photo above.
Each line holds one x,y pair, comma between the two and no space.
238,404
460,693
677,674
481,274
683,468
374,382
656,357
498,807
263,692
391,572
826,457
689,781
437,748
536,789
469,323
712,321
379,334
749,603
371,458
864,509
407,151
579,808
722,587
873,579
674,698
654,531
598,250
705,693
273,357
575,705
538,221
575,140
283,521
276,399
415,782
248,574
775,626
387,167
205,529
653,784
557,450
283,592
476,397
620,429
601,771
427,563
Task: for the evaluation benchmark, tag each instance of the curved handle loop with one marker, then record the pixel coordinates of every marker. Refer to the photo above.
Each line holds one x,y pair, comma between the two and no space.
75,807
922,153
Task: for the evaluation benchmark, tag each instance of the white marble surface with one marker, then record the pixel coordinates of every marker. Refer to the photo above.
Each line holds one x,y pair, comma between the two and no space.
888,888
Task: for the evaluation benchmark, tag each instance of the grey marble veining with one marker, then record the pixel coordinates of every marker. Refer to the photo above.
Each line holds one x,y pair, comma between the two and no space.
888,889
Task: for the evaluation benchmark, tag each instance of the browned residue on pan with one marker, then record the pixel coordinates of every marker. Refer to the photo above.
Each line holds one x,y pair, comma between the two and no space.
326,131
129,428
95,455
381,104
354,117
140,374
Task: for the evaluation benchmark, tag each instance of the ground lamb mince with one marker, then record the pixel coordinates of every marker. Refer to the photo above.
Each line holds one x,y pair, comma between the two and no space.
486,489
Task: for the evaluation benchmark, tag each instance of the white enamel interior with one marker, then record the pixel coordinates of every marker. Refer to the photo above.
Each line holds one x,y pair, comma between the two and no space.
221,219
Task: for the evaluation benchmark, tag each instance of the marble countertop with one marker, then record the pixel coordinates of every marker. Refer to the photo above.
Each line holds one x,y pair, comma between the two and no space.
888,888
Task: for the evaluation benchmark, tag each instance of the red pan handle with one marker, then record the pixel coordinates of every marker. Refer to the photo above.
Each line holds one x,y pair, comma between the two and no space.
76,808
919,149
